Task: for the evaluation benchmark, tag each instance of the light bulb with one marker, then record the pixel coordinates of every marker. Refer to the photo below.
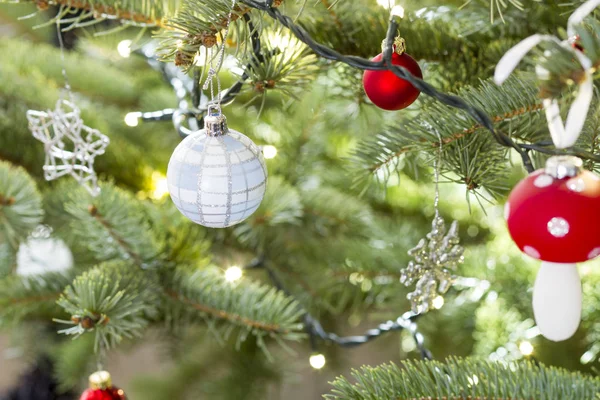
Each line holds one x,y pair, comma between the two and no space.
132,118
269,151
124,48
526,348
438,302
317,361
233,273
398,11
160,187
386,3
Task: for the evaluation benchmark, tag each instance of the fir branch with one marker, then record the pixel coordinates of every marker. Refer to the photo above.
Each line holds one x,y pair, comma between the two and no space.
20,204
458,135
288,70
115,235
31,297
464,379
114,300
332,13
197,24
8,259
128,12
110,12
113,226
256,309
338,211
233,318
280,206
515,106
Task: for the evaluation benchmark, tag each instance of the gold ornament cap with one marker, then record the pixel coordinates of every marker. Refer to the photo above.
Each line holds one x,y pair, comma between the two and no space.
100,380
399,45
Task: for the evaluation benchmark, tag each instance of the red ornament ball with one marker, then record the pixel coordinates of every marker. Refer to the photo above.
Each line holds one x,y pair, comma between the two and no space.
386,90
556,220
112,393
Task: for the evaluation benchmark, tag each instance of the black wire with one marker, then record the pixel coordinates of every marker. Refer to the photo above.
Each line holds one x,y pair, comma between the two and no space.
316,330
477,114
386,64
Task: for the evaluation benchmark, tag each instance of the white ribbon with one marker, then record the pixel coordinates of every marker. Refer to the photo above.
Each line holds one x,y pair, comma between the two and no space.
563,135
578,15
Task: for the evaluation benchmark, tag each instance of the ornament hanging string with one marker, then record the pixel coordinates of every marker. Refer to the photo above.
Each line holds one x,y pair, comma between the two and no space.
63,60
213,72
63,128
437,165
434,257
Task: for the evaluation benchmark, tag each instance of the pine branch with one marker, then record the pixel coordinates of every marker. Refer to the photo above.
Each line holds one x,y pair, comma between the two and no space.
256,309
31,297
338,212
112,226
288,70
128,12
196,24
20,204
514,106
233,318
8,259
281,206
464,379
115,300
115,235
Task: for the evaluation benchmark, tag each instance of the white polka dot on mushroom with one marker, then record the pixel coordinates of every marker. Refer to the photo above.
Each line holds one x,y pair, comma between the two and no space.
576,184
543,180
594,253
506,210
531,252
558,227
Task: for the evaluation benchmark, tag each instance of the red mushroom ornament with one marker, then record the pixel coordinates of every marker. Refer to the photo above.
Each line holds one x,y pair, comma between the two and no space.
553,215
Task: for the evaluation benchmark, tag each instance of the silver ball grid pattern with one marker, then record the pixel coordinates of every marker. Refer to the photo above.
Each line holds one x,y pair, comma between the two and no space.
217,181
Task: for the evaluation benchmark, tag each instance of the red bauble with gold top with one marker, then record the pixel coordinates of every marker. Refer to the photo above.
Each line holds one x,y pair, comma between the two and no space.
101,388
385,89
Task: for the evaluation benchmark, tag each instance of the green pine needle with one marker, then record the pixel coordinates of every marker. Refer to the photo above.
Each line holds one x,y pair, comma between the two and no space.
114,300
20,204
256,309
461,379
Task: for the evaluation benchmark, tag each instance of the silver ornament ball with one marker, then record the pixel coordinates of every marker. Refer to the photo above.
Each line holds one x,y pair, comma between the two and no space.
217,176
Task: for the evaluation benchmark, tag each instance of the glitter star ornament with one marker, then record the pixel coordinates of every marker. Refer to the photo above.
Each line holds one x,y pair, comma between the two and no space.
70,146
434,258
217,176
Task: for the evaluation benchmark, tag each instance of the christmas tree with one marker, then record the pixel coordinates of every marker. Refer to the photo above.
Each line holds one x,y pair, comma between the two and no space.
393,134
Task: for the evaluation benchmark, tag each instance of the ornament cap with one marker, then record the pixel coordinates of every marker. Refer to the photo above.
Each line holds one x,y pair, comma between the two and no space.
399,45
215,123
100,380
561,167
